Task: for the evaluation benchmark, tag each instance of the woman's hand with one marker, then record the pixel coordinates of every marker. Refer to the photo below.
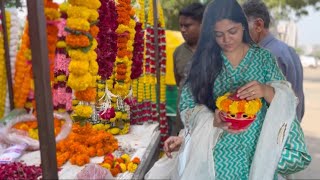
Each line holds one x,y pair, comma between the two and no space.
220,123
173,143
255,90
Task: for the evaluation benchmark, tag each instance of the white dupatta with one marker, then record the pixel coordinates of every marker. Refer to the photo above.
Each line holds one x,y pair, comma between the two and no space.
195,158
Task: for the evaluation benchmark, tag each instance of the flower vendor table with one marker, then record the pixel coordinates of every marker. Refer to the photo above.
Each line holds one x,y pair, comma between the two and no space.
144,139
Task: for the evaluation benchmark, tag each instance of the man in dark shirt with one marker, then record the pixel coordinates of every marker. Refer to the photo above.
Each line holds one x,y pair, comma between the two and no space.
190,19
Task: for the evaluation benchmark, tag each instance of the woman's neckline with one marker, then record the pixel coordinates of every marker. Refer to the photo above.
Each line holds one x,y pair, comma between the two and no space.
244,54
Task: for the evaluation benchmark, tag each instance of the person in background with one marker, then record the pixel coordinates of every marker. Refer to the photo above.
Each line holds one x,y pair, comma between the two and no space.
289,62
190,19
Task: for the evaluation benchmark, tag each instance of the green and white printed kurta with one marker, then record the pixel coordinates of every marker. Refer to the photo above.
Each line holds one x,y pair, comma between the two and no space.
233,154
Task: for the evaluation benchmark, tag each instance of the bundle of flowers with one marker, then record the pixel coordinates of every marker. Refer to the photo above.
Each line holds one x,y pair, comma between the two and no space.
120,164
239,112
84,142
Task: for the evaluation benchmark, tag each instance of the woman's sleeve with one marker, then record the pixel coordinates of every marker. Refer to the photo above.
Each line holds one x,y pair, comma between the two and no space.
294,157
186,99
272,70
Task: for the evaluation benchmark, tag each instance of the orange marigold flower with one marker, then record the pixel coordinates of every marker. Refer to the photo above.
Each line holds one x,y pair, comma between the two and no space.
87,95
136,160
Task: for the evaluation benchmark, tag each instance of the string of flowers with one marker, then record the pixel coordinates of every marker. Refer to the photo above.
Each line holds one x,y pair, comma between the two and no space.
120,164
14,33
3,77
85,142
62,94
162,59
107,52
119,82
23,75
151,66
83,68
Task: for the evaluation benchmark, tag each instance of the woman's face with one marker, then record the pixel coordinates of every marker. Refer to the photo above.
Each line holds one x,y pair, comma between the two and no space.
228,34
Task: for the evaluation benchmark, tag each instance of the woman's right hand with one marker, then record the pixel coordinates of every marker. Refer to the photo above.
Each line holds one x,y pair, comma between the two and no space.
173,143
219,123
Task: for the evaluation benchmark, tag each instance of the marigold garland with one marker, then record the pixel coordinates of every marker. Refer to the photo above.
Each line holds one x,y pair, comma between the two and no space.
82,16
3,77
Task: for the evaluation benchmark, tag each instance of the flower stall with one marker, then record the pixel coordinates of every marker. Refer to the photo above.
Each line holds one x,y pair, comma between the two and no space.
87,84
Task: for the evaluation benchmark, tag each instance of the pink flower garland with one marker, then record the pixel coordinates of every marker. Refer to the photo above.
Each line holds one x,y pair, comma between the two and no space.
62,94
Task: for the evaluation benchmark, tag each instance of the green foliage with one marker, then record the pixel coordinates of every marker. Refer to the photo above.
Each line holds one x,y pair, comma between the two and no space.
13,3
171,11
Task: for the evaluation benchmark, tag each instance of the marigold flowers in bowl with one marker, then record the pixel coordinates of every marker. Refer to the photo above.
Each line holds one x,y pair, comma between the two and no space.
239,112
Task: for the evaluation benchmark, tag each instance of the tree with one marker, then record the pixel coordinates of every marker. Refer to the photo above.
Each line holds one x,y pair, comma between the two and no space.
171,11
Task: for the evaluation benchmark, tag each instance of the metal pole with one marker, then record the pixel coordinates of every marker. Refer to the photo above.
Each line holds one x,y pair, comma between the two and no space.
156,43
43,96
7,55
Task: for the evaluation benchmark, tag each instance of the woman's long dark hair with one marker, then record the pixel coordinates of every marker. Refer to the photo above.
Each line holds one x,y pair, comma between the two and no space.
207,60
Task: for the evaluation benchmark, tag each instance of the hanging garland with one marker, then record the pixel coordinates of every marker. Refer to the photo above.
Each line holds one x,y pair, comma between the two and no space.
3,77
83,68
13,44
62,94
22,77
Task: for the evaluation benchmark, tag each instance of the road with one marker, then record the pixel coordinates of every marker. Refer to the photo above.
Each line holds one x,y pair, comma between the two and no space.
311,122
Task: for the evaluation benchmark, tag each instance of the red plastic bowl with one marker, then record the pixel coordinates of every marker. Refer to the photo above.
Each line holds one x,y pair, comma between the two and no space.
237,123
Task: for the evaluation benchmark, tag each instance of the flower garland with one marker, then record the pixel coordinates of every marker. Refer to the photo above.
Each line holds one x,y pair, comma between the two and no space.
107,38
23,75
85,142
115,110
62,94
31,127
151,69
120,164
13,42
81,45
3,77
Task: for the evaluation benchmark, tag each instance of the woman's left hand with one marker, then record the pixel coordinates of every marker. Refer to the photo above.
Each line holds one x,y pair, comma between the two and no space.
255,90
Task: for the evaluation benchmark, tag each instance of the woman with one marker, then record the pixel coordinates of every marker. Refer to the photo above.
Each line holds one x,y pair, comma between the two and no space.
227,60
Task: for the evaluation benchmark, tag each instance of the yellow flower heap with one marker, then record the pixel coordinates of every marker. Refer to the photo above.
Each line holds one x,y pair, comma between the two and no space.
83,68
233,106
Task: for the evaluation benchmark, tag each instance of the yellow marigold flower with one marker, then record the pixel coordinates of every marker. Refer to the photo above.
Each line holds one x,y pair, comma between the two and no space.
61,44
94,67
132,167
83,111
79,83
219,100
64,6
78,24
253,107
61,78
94,15
79,68
126,158
51,13
91,4
123,167
78,12
81,56
233,108
106,165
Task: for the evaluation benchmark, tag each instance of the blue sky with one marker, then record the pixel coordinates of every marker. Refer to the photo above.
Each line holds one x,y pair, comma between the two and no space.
309,28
